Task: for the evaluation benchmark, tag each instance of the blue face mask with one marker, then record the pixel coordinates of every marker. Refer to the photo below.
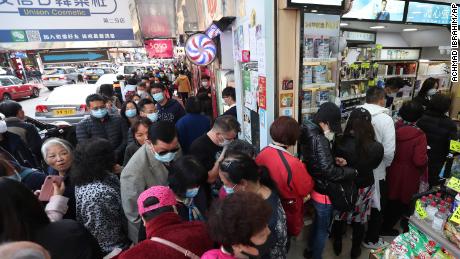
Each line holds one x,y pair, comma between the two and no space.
229,190
191,193
158,97
99,113
153,116
131,113
166,158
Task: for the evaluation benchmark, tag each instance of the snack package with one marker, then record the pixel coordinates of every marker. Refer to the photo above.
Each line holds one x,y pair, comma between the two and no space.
452,232
413,244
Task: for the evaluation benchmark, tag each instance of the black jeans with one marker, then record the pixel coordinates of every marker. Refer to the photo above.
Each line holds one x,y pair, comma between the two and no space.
394,211
375,220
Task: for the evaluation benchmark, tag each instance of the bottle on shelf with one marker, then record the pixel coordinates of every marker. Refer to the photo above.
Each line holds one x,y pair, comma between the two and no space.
423,200
431,210
438,198
439,219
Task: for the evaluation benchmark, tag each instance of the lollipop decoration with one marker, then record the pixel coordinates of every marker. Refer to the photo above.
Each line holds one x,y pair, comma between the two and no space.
200,49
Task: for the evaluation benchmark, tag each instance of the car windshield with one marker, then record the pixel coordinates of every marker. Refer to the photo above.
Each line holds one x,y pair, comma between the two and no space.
53,71
16,81
132,69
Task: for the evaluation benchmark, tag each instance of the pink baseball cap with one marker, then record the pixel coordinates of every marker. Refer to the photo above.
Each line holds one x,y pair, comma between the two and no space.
165,196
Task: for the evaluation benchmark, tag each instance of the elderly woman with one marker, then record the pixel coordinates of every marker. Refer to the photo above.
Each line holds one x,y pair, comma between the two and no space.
58,155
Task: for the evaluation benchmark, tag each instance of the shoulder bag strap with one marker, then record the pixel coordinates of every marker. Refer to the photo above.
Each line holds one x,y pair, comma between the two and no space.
176,247
288,168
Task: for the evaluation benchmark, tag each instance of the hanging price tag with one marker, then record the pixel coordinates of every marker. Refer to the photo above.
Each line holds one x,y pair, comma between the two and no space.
456,216
454,184
378,46
455,146
420,210
365,65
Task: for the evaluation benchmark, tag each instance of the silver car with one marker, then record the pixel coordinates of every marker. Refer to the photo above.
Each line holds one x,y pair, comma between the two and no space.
56,76
66,103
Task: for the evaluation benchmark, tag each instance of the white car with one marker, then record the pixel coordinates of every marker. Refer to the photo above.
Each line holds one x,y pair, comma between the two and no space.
128,70
65,103
106,79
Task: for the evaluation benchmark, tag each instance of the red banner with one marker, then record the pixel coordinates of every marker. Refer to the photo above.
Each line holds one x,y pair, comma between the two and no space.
159,48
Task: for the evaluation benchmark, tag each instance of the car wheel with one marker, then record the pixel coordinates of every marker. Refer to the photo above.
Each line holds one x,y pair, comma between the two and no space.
50,88
35,92
6,97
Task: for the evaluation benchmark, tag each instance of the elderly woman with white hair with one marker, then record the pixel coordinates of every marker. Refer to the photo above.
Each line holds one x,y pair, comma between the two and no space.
58,155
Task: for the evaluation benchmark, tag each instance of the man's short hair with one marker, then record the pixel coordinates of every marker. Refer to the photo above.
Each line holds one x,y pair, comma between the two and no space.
142,84
143,102
395,83
374,95
226,123
162,130
157,85
94,98
229,92
10,108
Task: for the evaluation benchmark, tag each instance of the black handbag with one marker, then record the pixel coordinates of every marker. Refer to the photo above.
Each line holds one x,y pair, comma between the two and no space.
343,195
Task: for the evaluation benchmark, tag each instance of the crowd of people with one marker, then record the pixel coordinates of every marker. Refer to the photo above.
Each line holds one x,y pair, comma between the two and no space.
155,175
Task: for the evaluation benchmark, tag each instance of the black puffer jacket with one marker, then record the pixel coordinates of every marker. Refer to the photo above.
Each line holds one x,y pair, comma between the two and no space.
439,130
346,147
317,155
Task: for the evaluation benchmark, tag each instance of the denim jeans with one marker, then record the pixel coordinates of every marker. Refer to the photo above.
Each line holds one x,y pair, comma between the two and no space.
320,228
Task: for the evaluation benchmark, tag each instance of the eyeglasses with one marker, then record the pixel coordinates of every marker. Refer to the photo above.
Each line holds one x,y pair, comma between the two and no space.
162,153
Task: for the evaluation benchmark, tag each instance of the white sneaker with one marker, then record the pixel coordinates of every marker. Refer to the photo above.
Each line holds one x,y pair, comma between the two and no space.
380,243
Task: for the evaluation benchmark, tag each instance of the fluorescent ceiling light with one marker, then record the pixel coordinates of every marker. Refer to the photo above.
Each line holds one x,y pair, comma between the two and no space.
314,11
410,29
343,24
377,27
424,60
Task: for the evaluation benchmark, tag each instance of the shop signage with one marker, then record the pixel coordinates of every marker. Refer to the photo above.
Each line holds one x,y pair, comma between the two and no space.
263,92
377,10
318,2
159,48
45,21
179,51
428,13
200,49
325,25
400,54
359,36
213,31
18,55
74,56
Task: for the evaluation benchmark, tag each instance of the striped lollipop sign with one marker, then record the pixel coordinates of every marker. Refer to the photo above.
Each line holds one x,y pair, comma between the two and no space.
200,49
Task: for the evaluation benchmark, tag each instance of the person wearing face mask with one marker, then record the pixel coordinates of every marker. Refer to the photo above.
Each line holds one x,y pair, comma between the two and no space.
130,89
168,109
315,142
440,130
429,88
193,125
148,167
385,134
130,113
392,87
101,124
187,179
239,172
287,171
139,132
107,90
168,236
147,110
204,95
183,85
142,91
209,148
12,145
229,96
239,224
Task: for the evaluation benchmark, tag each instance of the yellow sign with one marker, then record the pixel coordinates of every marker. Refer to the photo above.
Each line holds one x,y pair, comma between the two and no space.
378,46
365,65
455,146
454,184
420,210
456,216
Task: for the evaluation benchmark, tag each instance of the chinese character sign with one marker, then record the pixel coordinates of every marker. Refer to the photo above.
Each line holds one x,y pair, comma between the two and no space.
45,21
159,48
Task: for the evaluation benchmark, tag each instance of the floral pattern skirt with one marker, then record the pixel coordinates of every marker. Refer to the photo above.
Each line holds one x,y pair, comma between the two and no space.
362,209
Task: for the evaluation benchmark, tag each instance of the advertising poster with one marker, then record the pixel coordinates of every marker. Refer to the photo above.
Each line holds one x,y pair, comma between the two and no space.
428,13
391,10
157,48
250,84
46,21
247,124
262,92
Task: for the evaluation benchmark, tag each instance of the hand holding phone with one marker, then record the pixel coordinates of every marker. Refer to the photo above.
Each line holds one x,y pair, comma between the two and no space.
48,188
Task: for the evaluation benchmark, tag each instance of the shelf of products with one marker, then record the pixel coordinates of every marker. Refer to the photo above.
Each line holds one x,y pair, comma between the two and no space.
436,69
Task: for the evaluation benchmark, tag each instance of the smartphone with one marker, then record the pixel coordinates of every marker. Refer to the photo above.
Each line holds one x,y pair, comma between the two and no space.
47,187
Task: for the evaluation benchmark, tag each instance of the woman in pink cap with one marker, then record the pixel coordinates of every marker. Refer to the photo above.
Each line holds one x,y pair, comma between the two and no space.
167,235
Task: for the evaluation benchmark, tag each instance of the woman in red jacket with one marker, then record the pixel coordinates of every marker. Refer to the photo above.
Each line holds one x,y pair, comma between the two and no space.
293,181
409,164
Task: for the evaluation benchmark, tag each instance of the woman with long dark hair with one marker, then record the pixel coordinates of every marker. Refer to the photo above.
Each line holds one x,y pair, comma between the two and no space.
239,172
22,218
130,113
363,153
429,88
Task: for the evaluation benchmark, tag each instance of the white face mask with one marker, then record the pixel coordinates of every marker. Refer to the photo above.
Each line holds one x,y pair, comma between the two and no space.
329,135
3,127
204,84
431,92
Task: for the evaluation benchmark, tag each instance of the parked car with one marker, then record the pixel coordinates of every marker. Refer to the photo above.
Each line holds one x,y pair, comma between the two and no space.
128,70
13,88
92,74
56,76
66,103
106,79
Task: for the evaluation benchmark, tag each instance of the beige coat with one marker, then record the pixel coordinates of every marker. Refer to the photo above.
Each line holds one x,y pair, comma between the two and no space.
183,84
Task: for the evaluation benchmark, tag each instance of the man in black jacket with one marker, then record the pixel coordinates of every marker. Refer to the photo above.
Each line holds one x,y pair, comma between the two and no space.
15,122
